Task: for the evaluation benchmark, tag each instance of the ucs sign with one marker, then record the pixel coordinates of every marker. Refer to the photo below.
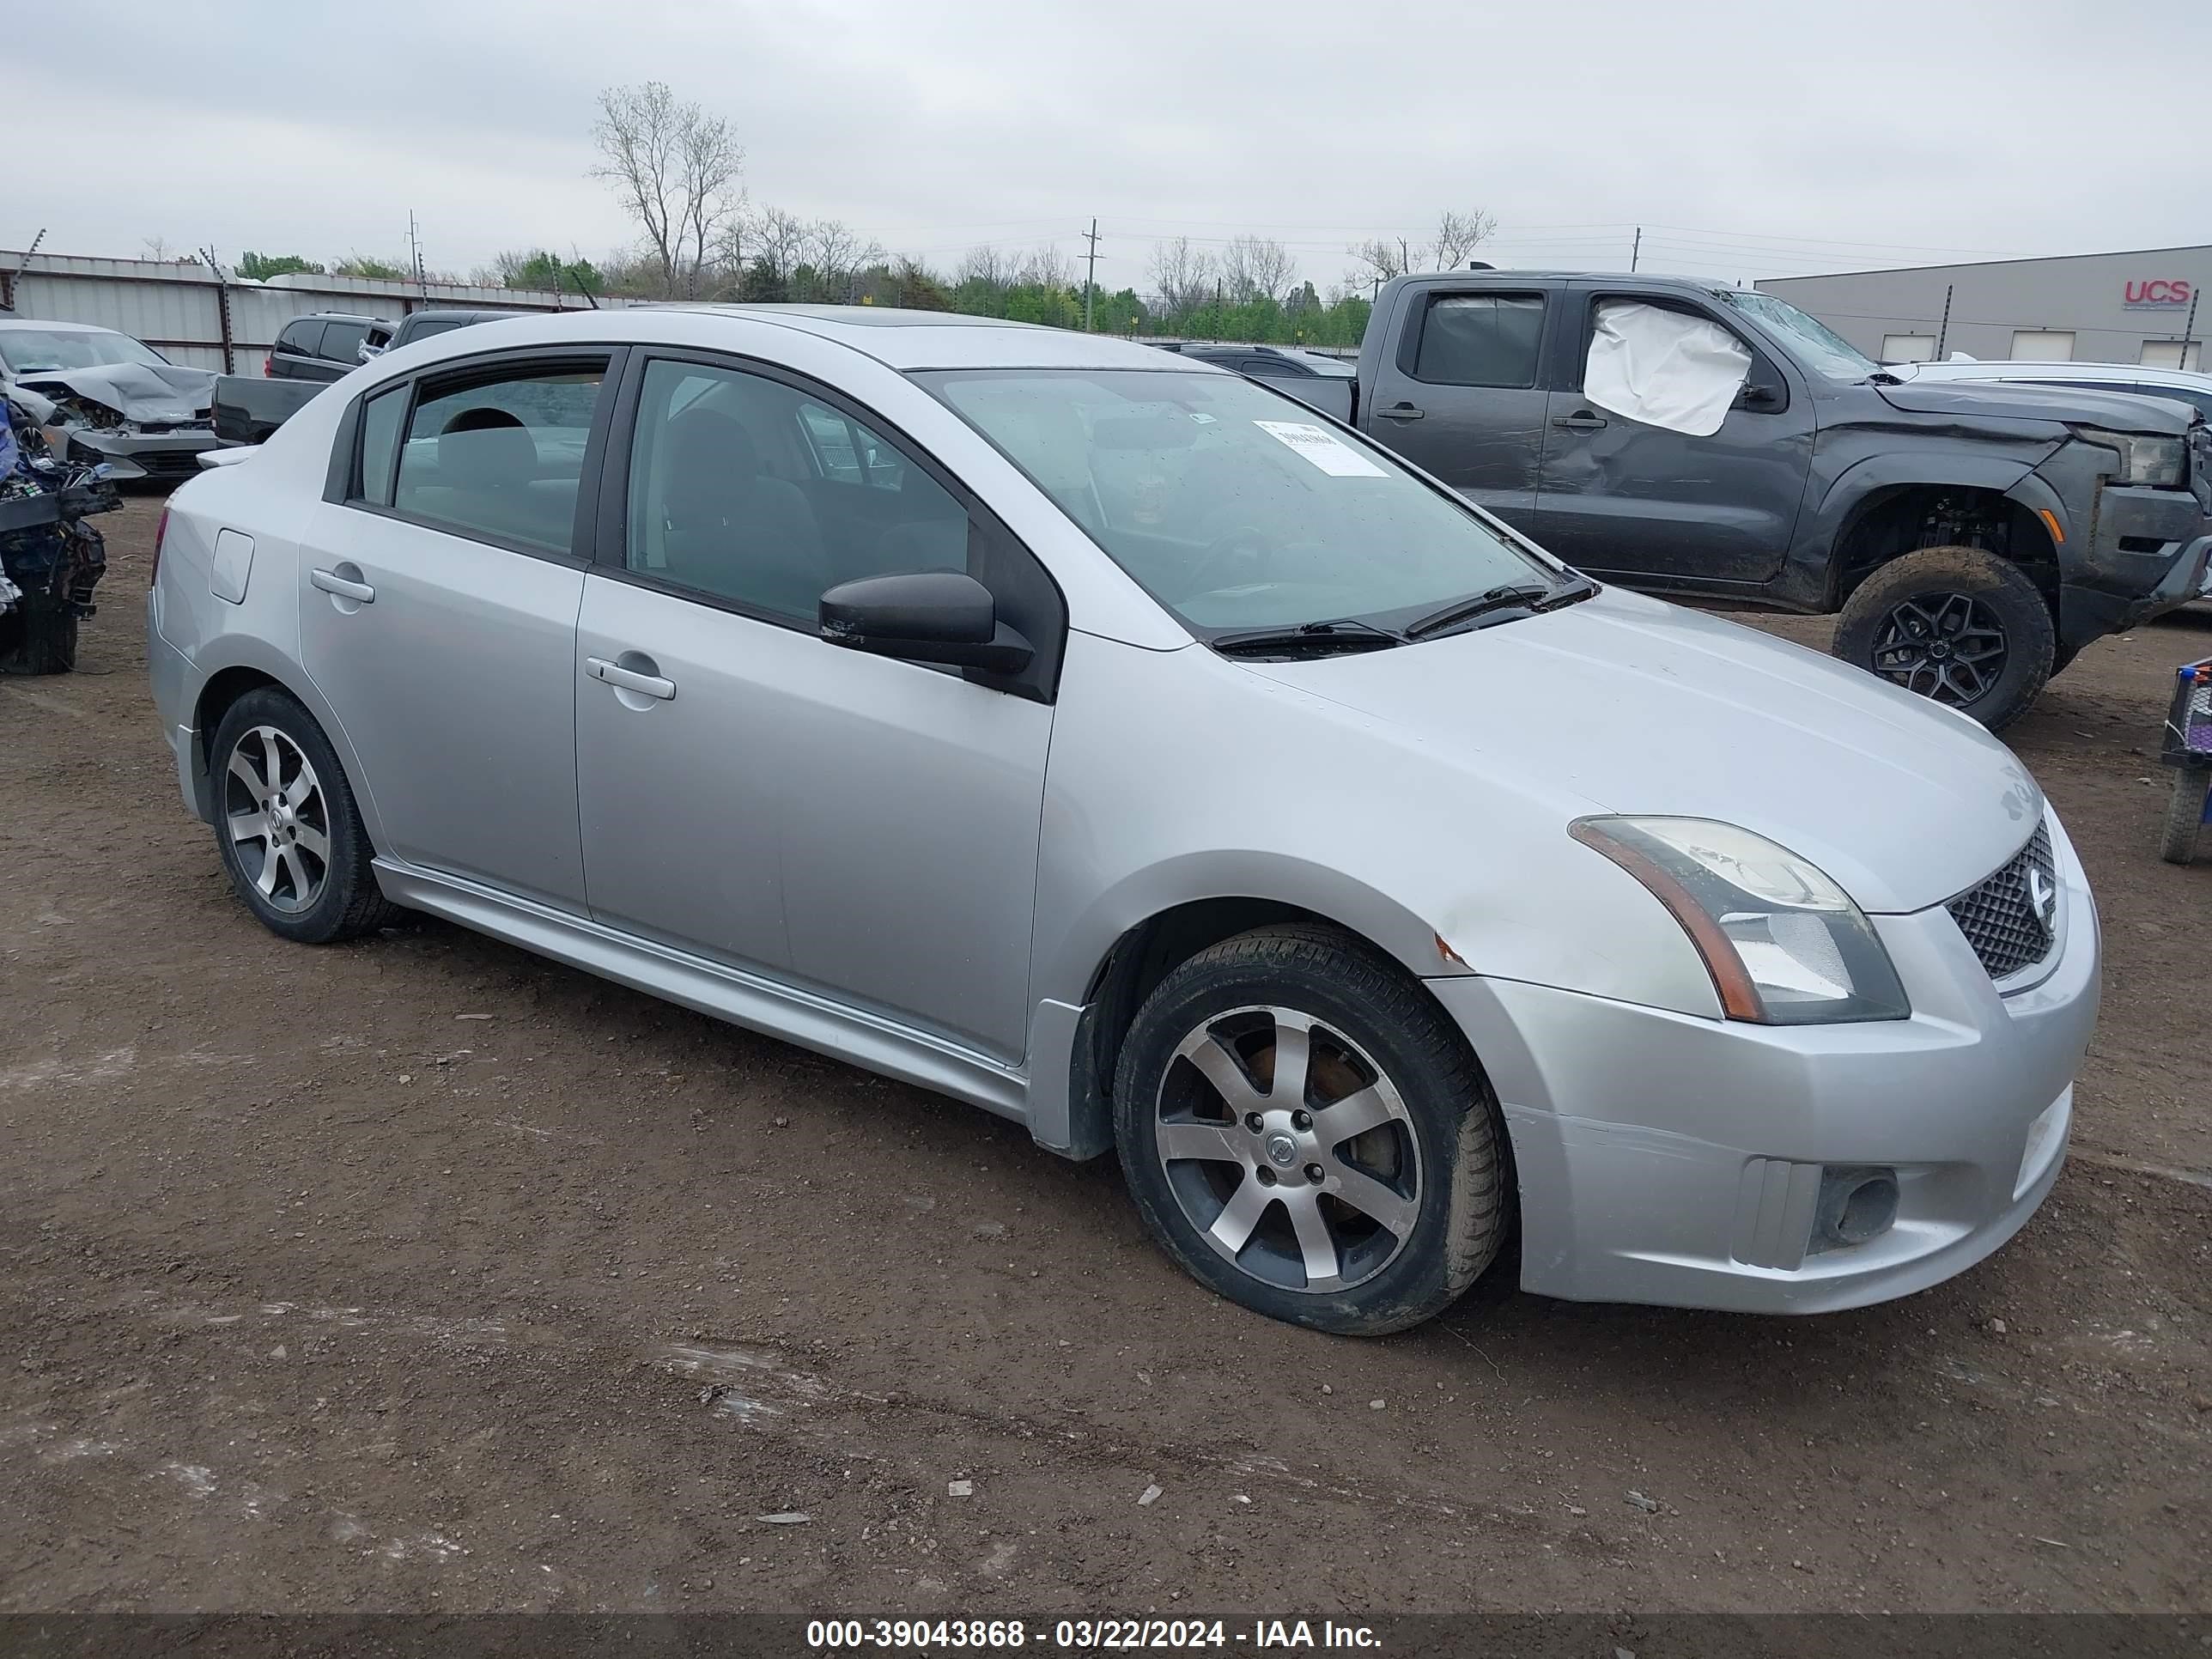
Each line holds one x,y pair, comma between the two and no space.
2157,292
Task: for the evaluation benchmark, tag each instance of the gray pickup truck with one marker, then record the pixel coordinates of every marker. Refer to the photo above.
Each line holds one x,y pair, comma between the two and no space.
1697,439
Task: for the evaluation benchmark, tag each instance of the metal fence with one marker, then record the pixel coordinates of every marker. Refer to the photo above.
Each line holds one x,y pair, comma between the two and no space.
210,318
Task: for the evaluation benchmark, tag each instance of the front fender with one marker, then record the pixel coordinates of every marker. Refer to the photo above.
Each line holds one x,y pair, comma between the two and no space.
1865,483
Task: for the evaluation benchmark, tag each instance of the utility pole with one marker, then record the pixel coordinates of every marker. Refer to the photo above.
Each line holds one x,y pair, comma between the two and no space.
1636,249
414,254
1091,281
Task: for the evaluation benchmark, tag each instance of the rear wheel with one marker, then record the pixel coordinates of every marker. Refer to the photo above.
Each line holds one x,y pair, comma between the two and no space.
286,826
1307,1135
1957,624
2184,813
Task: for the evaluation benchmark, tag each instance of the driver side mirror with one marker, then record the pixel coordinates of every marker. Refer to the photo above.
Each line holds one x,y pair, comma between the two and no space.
924,616
1756,396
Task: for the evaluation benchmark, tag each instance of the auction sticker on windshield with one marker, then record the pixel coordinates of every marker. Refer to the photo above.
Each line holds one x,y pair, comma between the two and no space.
1321,447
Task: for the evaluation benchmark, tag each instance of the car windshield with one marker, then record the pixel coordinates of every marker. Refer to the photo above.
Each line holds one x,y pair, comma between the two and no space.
1818,347
1231,504
36,350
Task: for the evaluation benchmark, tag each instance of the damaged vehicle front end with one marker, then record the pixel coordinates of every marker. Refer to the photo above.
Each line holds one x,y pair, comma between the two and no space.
116,398
51,560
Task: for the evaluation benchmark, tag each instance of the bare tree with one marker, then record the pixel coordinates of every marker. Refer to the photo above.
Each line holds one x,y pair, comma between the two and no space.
1184,275
985,265
1045,266
777,241
676,169
1379,259
838,253
1253,268
1459,234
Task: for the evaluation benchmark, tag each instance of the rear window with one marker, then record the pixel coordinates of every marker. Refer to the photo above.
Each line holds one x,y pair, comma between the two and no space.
499,454
342,342
1482,339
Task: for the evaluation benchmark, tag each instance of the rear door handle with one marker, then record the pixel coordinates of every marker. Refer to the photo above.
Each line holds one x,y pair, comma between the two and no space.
628,679
1401,412
1583,421
346,587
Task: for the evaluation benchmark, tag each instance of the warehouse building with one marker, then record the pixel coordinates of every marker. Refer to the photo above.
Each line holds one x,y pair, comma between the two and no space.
2138,307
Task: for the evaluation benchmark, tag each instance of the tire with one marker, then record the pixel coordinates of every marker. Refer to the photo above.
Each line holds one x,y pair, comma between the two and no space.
1409,1209
2184,813
301,866
1956,624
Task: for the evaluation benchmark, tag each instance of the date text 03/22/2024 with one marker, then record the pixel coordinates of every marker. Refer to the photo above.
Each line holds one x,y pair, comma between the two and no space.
1086,1635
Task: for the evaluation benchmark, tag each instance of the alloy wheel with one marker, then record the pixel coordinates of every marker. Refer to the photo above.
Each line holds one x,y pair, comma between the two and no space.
277,818
1288,1149
1949,646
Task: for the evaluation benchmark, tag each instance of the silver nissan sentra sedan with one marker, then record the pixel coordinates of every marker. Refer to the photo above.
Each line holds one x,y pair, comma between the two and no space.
1119,745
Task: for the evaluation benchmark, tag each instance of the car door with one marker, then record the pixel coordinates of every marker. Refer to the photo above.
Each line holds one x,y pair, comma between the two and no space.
1462,396
1623,498
339,350
293,357
850,825
438,590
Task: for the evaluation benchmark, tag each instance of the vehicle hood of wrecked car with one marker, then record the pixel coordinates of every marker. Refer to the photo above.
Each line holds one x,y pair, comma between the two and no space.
137,392
2121,411
1648,708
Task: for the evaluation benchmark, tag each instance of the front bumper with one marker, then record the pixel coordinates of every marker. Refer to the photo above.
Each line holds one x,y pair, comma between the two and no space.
1668,1159
2148,552
173,454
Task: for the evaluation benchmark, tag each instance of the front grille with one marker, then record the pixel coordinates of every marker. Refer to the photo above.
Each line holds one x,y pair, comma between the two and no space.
2011,918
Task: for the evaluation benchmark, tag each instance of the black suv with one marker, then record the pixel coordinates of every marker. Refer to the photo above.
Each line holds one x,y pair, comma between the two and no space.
325,346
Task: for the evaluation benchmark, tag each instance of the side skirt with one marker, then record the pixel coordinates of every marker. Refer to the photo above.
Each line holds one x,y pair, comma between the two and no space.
758,1004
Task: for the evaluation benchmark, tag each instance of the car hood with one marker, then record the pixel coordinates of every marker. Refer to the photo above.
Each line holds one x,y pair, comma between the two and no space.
137,392
1634,706
2122,411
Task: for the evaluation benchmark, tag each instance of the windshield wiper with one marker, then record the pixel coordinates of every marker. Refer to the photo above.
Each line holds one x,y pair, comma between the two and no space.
1313,638
1510,596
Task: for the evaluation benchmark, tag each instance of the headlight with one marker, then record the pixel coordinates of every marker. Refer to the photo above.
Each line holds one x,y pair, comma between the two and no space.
1785,944
2161,462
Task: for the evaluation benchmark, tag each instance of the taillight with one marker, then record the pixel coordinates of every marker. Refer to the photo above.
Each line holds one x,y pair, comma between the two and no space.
160,529
269,367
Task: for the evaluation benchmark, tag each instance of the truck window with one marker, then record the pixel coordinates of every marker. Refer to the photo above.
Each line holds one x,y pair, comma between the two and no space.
1481,339
342,342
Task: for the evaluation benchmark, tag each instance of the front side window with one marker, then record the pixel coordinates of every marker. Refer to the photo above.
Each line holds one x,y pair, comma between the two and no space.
1227,506
500,454
1481,339
744,489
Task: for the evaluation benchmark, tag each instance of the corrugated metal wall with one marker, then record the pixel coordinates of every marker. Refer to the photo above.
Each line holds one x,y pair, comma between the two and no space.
178,309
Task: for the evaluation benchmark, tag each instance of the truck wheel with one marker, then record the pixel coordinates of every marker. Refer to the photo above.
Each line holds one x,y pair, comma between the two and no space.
1955,623
2184,813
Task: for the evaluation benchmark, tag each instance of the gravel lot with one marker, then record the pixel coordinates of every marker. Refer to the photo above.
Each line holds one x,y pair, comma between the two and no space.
421,1272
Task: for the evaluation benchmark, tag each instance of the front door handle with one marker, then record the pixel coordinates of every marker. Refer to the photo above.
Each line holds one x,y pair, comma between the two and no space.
628,679
1401,412
1581,421
346,587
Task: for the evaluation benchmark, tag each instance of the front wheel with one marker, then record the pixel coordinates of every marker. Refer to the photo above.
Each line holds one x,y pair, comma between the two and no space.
1306,1133
1957,624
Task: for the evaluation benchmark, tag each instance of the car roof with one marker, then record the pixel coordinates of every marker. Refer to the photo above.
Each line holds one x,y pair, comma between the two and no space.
907,340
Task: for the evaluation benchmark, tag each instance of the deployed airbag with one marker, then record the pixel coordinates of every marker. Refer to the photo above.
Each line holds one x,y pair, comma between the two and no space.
1664,368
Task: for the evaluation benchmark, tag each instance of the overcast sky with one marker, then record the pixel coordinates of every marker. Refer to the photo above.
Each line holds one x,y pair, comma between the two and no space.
1748,140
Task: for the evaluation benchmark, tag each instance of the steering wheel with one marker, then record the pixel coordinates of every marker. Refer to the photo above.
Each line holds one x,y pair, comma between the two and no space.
1245,545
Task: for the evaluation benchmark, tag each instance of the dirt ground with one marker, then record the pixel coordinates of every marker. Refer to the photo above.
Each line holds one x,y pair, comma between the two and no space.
422,1273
